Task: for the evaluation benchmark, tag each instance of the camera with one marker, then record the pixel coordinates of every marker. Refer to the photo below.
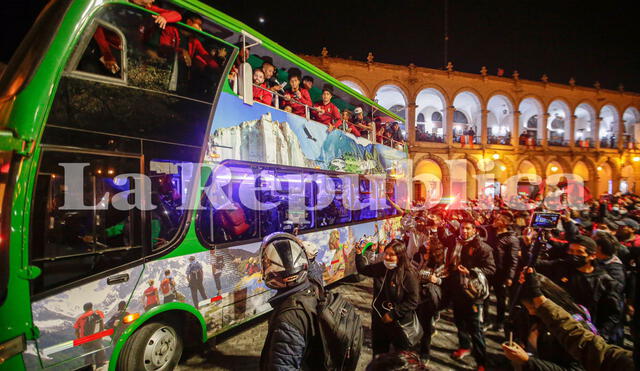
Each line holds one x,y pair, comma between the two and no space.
545,220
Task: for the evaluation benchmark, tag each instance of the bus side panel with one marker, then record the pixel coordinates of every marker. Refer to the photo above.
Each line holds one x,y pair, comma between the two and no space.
261,133
58,316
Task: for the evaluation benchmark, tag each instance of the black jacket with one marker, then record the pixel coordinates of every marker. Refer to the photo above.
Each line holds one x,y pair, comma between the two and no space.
506,250
403,291
473,254
596,291
293,341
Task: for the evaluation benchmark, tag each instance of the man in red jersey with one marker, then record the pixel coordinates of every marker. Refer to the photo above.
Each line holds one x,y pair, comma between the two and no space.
295,96
261,92
326,112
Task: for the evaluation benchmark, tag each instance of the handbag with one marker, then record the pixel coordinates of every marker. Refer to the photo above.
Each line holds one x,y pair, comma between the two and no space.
410,330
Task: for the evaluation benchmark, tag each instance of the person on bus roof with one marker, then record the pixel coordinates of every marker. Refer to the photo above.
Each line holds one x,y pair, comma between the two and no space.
196,54
295,96
269,70
326,112
261,92
360,122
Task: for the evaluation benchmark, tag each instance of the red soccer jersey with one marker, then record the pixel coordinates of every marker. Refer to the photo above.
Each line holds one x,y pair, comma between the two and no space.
331,115
82,321
262,94
296,107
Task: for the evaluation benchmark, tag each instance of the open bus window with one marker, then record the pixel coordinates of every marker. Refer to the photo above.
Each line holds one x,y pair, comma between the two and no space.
70,241
104,53
331,202
127,44
224,216
286,198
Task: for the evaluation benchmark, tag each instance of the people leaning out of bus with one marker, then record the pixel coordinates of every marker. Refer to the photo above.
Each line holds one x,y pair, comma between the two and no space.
261,92
360,122
269,70
326,112
296,96
307,82
194,53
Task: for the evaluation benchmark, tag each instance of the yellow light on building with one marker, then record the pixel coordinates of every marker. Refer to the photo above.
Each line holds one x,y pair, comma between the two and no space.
636,159
503,168
495,156
554,168
599,168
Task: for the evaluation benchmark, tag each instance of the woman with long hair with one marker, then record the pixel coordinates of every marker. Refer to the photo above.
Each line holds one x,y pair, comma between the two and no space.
395,294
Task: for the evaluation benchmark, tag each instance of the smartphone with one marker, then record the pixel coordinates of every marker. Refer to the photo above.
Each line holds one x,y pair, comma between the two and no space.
545,220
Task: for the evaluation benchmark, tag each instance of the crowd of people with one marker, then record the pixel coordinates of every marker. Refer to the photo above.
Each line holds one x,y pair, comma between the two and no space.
565,293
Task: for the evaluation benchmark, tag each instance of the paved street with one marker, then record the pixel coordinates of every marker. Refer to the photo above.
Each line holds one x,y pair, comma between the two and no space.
240,348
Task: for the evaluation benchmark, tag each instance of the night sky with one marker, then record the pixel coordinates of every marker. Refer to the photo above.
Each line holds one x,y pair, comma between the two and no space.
587,40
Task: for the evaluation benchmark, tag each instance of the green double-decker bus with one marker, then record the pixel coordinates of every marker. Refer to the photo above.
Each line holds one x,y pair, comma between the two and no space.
139,176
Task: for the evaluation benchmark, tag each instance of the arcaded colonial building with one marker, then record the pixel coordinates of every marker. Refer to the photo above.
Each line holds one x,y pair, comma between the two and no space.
524,127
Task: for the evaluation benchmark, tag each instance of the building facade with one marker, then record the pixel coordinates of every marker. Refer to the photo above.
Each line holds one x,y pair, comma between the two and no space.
537,128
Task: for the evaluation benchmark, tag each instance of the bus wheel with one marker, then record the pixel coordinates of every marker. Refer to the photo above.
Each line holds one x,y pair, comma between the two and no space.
153,347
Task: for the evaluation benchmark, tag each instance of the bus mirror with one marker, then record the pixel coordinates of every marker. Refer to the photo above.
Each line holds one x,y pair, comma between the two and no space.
246,83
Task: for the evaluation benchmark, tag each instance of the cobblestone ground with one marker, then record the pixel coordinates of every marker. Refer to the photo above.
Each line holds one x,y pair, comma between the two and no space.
240,348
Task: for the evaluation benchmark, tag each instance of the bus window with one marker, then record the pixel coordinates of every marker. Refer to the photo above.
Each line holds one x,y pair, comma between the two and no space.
225,216
290,195
104,53
390,195
335,211
70,242
367,210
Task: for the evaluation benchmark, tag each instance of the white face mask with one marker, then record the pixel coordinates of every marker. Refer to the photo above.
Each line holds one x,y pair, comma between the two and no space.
390,265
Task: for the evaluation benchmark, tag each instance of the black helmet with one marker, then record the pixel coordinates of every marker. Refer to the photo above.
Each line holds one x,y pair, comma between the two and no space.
284,261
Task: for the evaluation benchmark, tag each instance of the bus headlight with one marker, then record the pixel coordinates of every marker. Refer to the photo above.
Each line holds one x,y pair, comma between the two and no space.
12,347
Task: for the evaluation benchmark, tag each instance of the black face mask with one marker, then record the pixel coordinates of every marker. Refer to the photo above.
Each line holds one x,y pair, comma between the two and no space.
576,261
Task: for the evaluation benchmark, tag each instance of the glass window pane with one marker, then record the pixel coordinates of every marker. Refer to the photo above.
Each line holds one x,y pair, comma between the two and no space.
287,201
74,242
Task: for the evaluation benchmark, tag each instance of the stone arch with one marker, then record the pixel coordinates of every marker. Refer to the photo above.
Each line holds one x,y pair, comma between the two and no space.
397,83
431,100
609,133
585,119
566,165
443,92
558,125
471,172
534,161
511,100
471,90
562,99
531,106
470,103
444,171
603,177
396,106
631,120
357,82
500,110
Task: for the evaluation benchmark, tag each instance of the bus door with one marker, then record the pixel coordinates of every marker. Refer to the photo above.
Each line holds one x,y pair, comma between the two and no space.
87,240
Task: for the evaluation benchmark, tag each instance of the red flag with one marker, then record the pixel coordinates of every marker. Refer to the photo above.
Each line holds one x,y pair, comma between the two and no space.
500,72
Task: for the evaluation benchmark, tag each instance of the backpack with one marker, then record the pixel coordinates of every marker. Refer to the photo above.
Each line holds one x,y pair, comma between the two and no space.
340,328
234,221
165,286
91,324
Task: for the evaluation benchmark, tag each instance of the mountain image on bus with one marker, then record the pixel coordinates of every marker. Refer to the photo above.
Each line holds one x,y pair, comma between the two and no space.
142,167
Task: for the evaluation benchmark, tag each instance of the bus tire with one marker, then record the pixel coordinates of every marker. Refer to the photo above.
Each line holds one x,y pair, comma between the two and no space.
155,346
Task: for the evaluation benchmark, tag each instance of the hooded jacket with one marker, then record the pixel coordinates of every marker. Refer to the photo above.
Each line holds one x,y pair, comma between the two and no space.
506,250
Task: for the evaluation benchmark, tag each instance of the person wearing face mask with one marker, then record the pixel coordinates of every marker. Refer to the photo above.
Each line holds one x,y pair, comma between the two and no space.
465,252
588,284
395,294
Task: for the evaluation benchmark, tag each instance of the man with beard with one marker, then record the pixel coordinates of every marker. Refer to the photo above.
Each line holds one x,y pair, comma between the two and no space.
464,253
506,249
588,284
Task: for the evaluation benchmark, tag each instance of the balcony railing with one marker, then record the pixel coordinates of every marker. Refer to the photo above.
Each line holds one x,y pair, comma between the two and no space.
467,140
608,143
584,143
503,140
558,142
428,137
